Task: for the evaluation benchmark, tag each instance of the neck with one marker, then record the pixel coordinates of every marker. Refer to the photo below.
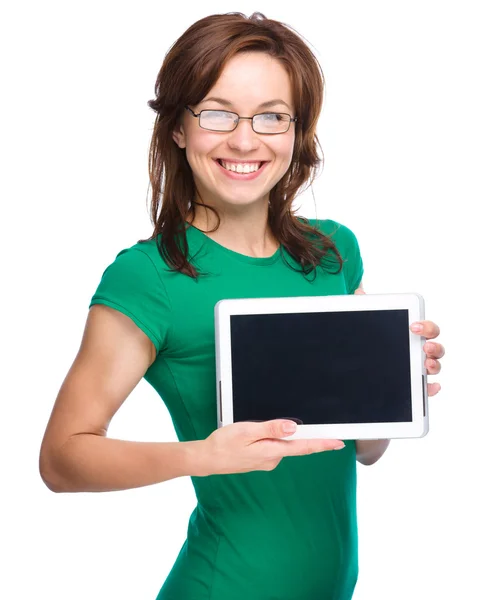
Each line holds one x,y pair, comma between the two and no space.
245,232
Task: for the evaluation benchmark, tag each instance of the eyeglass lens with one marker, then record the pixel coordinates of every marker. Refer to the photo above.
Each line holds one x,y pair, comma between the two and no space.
218,120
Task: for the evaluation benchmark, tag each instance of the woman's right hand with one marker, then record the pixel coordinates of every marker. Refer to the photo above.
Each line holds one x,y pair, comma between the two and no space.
250,446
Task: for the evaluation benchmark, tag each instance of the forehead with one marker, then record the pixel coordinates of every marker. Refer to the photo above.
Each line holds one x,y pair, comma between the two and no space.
252,78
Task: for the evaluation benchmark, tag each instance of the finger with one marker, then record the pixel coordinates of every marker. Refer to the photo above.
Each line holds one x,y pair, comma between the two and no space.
427,329
309,446
434,350
359,291
433,389
433,366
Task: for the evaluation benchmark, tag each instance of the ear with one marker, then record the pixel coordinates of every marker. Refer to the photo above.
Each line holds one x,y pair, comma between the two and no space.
179,136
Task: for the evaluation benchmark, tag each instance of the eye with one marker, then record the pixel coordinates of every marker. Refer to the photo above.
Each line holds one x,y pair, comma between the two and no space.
217,116
273,117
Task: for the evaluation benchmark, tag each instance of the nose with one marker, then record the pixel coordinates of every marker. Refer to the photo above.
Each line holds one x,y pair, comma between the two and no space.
244,138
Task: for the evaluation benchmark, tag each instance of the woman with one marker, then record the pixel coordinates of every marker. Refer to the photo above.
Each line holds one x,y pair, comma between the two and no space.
237,104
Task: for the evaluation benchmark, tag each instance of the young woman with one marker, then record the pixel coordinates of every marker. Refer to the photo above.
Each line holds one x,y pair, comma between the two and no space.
237,103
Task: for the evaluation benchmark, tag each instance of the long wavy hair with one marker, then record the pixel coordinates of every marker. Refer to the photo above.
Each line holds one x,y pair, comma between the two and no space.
190,69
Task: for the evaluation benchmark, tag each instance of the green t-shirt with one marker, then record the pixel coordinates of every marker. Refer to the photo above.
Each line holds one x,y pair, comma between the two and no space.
286,534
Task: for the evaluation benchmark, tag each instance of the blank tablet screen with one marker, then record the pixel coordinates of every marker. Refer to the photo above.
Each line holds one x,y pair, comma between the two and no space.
322,368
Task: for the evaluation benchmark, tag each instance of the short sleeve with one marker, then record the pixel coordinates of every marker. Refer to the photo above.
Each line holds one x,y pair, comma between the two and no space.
132,285
349,249
353,264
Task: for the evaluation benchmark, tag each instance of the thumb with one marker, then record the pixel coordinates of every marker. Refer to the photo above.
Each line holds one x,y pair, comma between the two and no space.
277,428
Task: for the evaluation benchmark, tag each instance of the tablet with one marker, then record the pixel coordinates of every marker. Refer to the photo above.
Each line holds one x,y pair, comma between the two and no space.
342,367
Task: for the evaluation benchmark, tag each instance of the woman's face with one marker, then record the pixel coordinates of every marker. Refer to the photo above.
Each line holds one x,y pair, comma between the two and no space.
247,85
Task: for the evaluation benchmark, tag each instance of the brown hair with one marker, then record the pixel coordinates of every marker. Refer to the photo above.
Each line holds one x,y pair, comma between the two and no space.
190,69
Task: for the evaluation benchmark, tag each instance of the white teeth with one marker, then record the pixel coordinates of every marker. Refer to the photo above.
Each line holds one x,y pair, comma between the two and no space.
240,167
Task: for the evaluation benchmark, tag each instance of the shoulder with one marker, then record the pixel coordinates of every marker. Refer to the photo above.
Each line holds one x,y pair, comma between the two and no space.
340,234
146,250
142,256
134,267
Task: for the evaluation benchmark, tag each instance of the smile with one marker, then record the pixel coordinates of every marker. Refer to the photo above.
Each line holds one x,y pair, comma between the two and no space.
241,171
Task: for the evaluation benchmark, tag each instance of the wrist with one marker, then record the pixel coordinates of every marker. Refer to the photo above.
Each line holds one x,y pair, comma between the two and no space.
196,460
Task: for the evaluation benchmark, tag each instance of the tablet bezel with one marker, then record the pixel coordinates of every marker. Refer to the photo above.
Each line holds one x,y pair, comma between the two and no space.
412,302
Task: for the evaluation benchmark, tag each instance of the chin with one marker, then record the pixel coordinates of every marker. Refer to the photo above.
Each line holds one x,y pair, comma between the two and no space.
239,202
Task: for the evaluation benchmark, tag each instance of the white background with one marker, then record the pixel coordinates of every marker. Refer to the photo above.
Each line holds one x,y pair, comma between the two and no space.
399,132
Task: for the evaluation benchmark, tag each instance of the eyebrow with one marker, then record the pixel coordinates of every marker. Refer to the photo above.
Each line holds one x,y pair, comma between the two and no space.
267,104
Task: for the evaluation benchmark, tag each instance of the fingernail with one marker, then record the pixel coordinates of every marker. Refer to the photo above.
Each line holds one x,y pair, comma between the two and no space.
417,327
289,427
340,447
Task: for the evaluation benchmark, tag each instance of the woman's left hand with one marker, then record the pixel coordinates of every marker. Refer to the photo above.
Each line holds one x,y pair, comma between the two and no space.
433,351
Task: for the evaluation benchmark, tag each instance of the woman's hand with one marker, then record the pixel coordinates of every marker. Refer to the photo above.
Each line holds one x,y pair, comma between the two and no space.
248,446
434,351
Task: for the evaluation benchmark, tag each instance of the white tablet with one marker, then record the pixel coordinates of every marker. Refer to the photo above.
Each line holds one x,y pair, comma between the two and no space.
343,367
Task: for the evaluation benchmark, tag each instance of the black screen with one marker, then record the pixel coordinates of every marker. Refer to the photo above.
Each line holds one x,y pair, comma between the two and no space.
320,368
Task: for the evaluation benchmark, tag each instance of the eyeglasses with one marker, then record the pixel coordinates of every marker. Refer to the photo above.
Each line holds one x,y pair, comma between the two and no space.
269,123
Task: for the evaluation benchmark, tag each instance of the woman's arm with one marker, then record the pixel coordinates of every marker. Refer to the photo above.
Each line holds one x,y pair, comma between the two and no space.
96,463
369,451
76,455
